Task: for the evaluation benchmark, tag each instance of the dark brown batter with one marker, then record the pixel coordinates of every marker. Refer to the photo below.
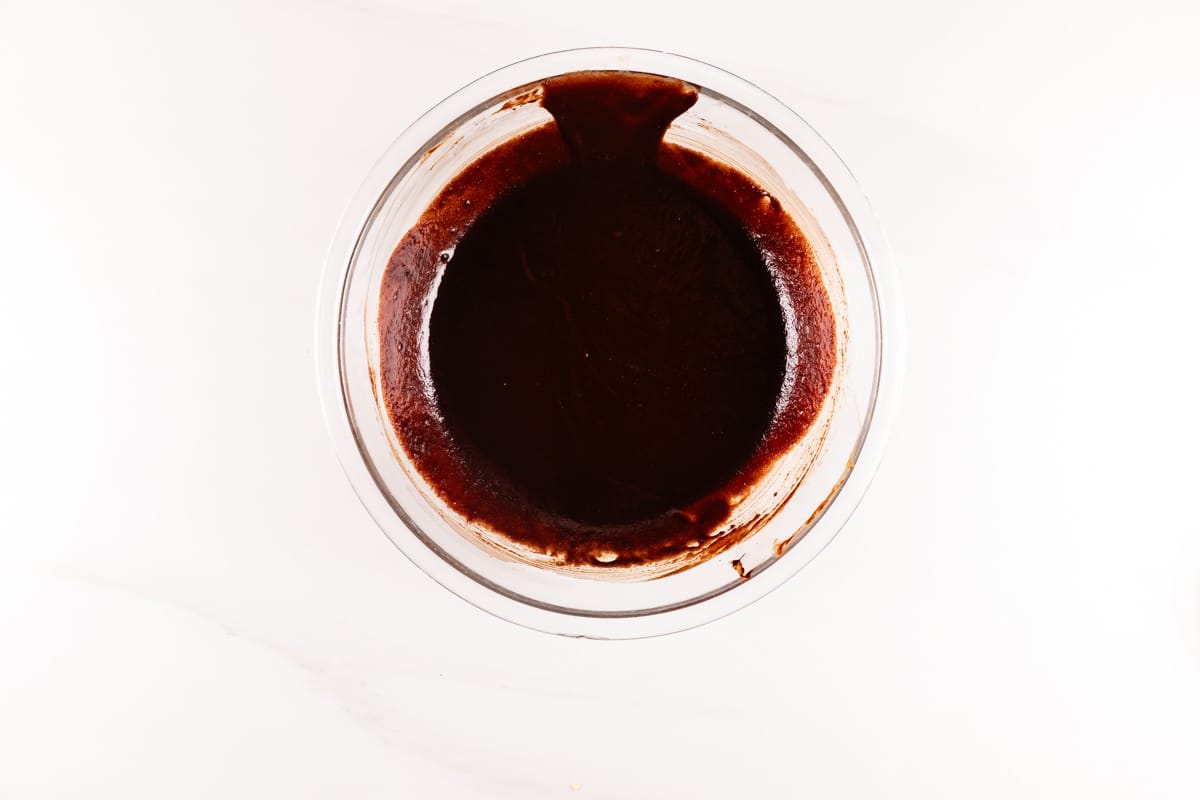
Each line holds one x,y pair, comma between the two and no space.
608,350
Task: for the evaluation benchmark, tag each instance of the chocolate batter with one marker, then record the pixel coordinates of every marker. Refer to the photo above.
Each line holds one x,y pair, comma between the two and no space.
608,350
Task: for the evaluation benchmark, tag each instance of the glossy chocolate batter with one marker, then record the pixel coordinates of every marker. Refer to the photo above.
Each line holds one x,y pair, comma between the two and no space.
608,347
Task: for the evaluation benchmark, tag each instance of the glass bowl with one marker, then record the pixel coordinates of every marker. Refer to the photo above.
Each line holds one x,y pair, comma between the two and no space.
801,503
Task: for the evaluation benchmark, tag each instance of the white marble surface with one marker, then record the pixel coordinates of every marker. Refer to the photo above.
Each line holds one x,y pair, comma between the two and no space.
194,605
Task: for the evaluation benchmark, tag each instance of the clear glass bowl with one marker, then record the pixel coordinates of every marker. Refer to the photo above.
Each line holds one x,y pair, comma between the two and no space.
805,500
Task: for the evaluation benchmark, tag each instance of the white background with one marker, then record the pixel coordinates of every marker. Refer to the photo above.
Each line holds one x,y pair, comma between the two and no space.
194,605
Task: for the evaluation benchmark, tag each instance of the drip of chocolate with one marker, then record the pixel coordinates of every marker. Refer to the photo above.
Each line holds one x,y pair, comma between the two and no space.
608,353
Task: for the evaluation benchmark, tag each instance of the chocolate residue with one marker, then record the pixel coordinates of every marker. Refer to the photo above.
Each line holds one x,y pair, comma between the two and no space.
531,96
609,365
